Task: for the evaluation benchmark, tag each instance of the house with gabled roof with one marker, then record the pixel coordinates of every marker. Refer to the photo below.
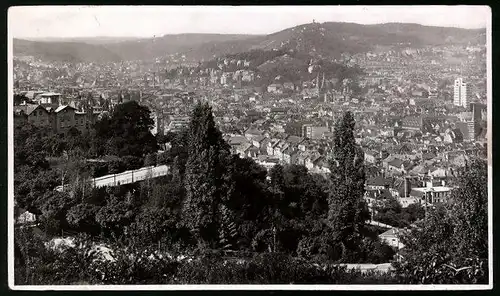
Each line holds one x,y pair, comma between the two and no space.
263,146
279,147
65,118
35,114
235,141
270,145
257,141
243,148
294,140
302,156
290,155
399,166
392,237
310,159
378,182
251,133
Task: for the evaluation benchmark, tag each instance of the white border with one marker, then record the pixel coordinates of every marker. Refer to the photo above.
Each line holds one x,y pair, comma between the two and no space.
10,214
10,156
489,133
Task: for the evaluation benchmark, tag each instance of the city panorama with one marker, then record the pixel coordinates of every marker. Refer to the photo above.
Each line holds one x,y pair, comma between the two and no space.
292,146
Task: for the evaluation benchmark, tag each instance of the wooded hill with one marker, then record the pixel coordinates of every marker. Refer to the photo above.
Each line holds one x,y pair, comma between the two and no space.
323,40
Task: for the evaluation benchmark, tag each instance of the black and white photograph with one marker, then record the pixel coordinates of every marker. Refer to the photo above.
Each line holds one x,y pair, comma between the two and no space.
250,147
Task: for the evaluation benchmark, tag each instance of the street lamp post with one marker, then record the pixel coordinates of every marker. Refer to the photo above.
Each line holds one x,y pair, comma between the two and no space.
274,239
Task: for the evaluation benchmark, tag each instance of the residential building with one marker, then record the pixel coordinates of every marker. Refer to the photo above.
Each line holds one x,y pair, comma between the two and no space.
177,124
371,156
431,194
64,118
392,238
314,132
290,155
461,93
48,98
412,123
35,114
275,88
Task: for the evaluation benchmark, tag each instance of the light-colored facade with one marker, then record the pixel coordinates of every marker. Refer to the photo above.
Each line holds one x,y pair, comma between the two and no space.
432,194
461,93
314,132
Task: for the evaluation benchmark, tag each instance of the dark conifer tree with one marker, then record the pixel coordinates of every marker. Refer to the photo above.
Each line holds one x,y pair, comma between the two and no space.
347,212
204,176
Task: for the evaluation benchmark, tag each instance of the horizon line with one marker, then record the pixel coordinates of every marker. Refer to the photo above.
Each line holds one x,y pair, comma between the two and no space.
243,34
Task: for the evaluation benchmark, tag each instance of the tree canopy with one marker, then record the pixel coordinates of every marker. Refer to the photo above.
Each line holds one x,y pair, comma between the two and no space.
347,210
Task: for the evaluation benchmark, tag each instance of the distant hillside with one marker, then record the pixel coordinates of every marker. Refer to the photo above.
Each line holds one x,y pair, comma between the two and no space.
168,44
64,51
88,40
332,39
324,40
101,49
436,35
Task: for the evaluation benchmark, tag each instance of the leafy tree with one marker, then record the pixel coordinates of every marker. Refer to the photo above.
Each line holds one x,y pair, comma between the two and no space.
347,211
54,145
31,185
204,179
179,150
247,192
82,217
150,159
132,162
450,245
297,205
471,208
126,132
29,148
416,212
54,207
277,201
75,139
115,215
391,213
151,224
100,134
320,245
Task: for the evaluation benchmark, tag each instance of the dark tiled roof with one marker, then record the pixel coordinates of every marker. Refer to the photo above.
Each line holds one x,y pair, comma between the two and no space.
28,109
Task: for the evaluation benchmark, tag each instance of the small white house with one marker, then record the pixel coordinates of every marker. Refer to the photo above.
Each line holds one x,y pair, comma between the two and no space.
392,238
25,218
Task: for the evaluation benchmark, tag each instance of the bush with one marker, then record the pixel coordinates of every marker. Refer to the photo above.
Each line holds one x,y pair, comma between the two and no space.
319,249
136,267
51,226
150,159
270,268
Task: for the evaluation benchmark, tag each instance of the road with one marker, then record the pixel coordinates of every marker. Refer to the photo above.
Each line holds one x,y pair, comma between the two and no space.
375,223
128,177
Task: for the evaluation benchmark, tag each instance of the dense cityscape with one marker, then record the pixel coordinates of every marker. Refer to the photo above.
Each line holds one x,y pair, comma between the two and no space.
262,166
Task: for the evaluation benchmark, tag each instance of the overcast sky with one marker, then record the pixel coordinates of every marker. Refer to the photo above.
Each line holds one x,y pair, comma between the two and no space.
149,21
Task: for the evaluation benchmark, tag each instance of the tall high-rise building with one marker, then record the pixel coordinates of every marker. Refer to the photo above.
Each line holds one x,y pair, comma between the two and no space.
461,93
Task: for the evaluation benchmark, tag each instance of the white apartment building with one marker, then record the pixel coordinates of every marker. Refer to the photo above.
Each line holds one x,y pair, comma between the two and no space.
461,93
